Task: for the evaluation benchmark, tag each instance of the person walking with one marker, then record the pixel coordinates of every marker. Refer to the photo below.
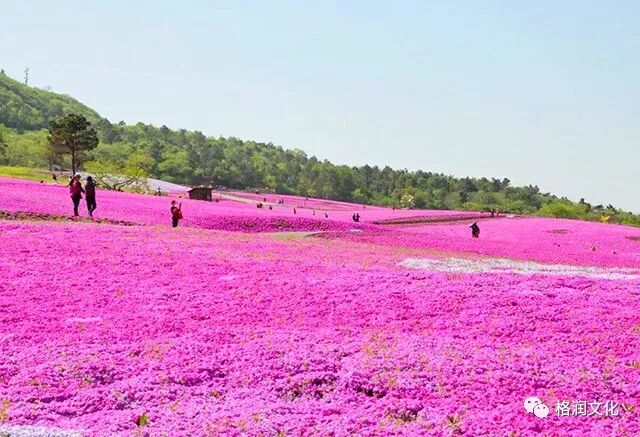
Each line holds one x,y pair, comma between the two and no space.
176,213
75,190
90,195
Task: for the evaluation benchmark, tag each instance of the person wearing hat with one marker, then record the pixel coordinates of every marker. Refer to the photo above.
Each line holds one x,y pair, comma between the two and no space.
90,195
75,190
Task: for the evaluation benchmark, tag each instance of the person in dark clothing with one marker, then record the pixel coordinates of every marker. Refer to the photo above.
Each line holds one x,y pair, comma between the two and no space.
176,213
90,195
75,190
475,230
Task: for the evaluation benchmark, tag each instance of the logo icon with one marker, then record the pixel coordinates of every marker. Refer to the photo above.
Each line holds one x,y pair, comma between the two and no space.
534,405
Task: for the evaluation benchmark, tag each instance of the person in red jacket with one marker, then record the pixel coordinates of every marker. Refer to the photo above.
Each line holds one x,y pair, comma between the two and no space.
75,190
176,213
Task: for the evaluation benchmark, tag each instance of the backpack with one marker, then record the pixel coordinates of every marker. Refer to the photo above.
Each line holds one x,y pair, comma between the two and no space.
176,212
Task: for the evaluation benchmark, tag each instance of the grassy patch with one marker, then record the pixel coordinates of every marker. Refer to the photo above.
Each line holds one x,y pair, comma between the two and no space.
34,174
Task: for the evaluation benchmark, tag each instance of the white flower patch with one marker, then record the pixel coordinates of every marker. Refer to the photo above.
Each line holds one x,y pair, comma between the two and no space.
227,277
501,265
6,336
36,431
84,319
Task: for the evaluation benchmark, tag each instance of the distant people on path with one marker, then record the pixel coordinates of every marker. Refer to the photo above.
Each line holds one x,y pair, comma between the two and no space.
75,190
475,230
355,217
54,177
158,192
176,213
90,195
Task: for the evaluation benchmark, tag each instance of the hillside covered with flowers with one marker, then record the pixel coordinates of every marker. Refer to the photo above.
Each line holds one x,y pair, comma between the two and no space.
264,322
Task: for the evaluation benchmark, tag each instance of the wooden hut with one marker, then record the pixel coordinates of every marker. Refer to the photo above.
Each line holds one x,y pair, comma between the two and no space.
200,193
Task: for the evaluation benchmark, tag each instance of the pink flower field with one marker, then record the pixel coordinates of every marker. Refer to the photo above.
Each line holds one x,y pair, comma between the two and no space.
225,214
408,330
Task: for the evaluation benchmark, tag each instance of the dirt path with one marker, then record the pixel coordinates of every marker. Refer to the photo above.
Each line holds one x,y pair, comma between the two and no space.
34,216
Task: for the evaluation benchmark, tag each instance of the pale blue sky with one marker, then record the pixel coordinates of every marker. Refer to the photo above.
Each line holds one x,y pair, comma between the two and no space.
542,92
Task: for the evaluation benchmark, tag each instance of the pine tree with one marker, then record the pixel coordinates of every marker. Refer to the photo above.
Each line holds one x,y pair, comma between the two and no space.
72,134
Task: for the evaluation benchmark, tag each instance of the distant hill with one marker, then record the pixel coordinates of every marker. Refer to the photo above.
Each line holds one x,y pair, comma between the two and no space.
25,108
191,158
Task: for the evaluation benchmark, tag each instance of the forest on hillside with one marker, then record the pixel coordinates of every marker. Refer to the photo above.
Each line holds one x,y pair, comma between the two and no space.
190,157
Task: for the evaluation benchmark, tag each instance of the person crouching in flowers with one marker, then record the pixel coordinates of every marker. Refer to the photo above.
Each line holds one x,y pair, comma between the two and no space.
176,213
75,190
475,230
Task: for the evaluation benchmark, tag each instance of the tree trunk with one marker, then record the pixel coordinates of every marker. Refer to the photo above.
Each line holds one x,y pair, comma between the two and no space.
73,162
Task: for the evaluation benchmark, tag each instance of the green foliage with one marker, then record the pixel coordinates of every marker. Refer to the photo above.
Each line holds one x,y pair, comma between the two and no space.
72,134
407,201
559,210
3,146
117,167
29,149
143,420
25,108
